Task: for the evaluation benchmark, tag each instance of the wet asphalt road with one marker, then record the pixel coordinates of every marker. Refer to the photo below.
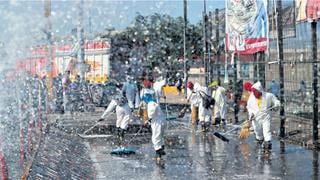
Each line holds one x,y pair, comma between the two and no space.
195,155
191,154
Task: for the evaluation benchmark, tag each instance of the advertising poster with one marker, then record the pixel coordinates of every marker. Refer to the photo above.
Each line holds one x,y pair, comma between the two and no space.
246,26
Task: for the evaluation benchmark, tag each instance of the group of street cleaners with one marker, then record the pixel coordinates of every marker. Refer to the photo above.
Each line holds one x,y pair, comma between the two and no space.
147,102
206,109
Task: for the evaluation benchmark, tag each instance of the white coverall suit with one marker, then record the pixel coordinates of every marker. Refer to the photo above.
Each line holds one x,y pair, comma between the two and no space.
157,86
204,113
146,91
130,91
123,114
262,116
157,124
220,107
194,100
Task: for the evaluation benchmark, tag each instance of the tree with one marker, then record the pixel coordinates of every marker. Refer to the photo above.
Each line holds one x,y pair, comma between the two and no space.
157,40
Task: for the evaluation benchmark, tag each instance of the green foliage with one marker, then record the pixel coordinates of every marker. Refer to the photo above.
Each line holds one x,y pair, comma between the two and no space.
158,40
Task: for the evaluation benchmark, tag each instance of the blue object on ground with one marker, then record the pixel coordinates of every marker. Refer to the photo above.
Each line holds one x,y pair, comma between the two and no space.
123,151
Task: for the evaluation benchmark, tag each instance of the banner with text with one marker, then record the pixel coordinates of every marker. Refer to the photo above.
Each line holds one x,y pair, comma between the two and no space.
246,26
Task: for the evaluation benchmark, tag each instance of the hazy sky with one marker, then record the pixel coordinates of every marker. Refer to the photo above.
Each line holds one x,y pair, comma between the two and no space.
21,18
26,17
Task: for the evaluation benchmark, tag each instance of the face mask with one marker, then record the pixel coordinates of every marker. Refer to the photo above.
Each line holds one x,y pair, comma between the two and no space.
257,94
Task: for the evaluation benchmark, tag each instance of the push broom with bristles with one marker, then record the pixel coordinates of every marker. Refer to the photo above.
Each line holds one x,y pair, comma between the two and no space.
245,130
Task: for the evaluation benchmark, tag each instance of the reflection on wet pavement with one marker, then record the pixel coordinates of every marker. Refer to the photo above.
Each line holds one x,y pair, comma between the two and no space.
191,154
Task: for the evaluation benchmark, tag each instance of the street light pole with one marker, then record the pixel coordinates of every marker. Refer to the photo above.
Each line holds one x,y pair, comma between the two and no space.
205,43
49,56
185,47
217,46
281,72
80,40
315,135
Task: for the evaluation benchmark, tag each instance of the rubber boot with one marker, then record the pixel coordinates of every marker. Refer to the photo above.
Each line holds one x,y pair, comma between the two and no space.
207,126
158,154
203,126
223,121
216,121
121,133
117,131
162,152
267,146
259,142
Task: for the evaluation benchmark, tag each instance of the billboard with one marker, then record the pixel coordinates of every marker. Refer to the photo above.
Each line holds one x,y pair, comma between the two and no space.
246,26
307,10
96,56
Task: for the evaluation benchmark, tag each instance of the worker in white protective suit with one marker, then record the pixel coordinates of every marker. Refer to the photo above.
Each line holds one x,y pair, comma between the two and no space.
194,99
147,89
204,113
259,107
158,86
220,107
157,120
123,113
130,91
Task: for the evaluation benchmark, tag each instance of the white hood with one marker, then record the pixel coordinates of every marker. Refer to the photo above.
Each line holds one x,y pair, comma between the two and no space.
258,86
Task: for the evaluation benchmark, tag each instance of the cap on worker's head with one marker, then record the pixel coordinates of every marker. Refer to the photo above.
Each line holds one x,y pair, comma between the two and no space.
247,86
147,98
214,84
257,86
190,85
147,83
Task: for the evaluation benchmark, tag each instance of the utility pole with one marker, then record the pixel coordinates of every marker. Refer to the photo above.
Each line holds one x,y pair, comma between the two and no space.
281,73
209,39
315,135
217,46
48,50
235,88
205,43
185,71
80,40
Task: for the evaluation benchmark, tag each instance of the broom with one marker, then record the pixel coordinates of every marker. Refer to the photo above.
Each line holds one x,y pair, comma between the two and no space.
245,130
222,135
182,112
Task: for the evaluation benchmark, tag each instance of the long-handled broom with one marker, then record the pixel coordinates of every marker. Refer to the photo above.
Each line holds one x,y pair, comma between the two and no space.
84,134
222,136
182,112
245,129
